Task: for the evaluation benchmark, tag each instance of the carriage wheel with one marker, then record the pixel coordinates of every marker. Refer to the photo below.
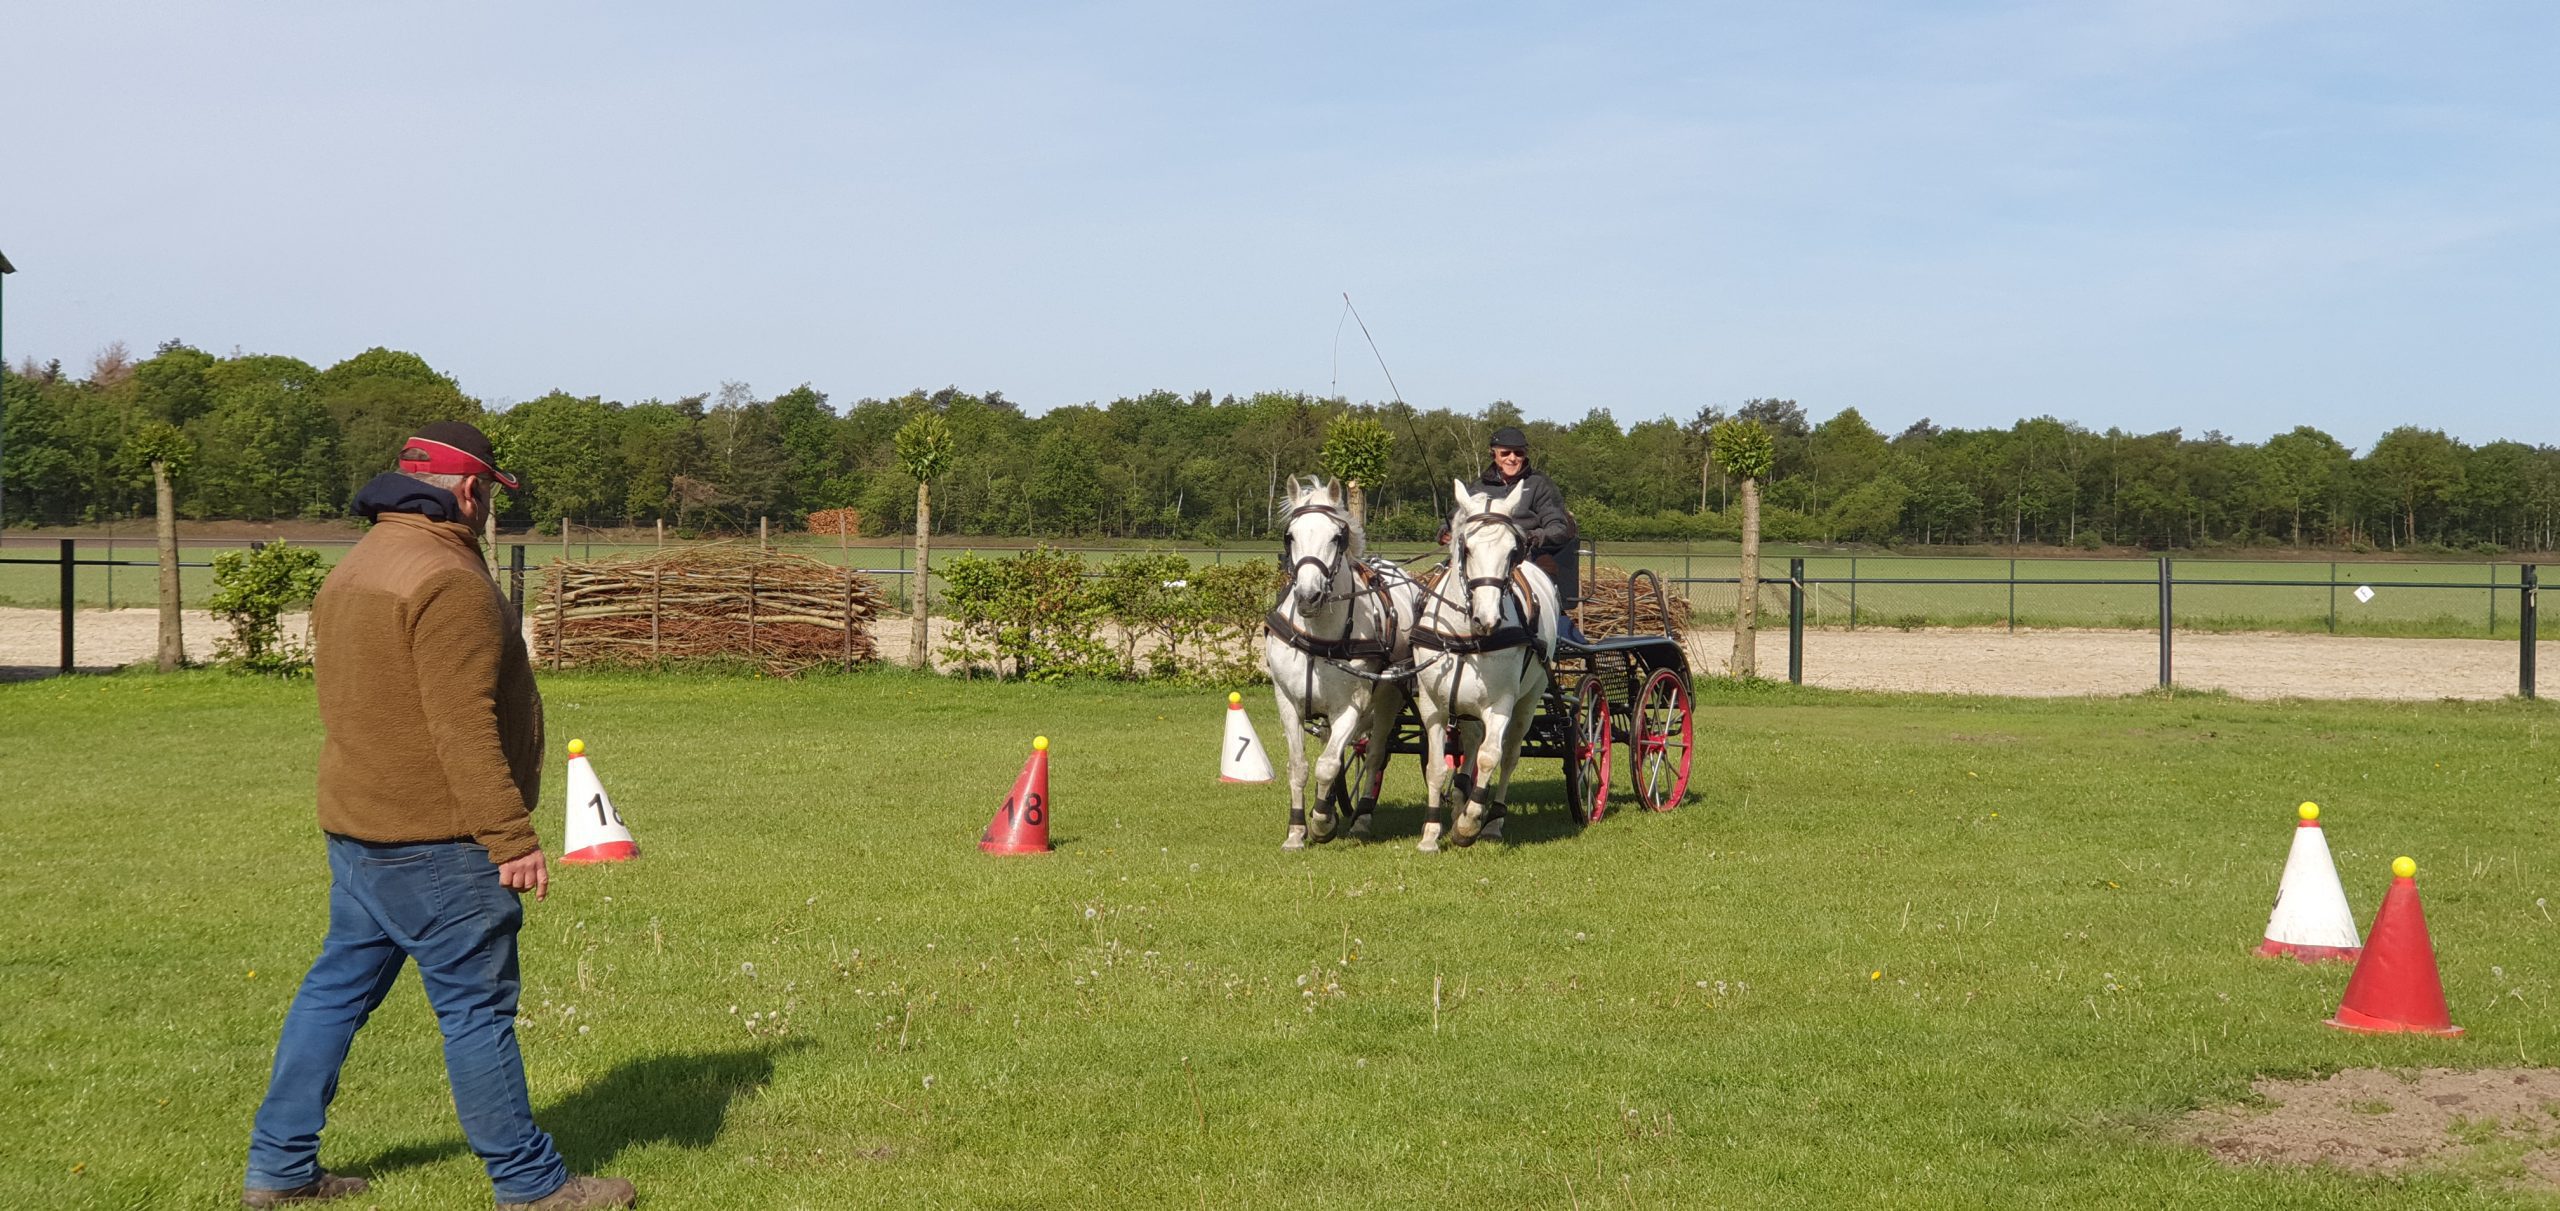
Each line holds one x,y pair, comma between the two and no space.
1662,740
1587,770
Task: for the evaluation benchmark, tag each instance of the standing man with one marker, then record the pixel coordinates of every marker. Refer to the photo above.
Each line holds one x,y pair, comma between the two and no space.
1553,538
428,775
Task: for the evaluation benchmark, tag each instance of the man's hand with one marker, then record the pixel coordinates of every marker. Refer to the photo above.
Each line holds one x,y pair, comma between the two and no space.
525,874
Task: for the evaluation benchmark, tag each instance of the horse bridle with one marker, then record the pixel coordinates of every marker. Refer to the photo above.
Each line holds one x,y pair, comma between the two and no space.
1519,548
1331,568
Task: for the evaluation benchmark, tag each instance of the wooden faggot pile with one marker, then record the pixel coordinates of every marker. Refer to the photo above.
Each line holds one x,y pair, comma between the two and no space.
717,602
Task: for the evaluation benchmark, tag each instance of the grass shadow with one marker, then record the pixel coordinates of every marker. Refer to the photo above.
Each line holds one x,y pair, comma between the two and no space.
670,1099
1537,815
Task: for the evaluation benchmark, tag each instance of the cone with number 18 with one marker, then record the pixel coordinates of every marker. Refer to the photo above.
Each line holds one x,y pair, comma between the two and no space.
1021,826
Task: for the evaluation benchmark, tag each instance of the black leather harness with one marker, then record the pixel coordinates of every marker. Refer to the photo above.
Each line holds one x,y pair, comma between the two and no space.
1501,638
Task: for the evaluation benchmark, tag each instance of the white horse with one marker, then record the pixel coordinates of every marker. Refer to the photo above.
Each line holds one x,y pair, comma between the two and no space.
1339,625
1482,654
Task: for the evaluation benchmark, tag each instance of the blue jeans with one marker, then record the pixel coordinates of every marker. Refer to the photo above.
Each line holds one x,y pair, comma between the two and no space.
441,904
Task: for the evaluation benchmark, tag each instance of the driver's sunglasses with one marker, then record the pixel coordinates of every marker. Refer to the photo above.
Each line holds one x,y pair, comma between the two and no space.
1507,452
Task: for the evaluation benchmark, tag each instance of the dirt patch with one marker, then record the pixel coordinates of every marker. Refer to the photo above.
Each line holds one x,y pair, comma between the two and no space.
2367,1120
2072,663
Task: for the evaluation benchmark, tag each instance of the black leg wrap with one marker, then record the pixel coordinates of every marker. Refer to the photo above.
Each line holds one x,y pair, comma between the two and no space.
1465,839
1297,817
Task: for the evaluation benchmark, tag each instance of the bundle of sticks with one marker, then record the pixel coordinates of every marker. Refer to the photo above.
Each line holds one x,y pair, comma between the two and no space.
1612,607
785,613
844,523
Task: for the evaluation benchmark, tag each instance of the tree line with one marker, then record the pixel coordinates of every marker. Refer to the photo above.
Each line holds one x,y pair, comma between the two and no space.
268,437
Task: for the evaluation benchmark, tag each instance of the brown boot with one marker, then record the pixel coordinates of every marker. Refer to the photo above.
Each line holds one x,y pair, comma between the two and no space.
580,1194
318,1190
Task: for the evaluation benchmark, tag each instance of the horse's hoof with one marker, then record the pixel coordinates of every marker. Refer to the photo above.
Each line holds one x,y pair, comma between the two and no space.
1297,839
1319,828
1493,829
1360,830
1470,822
1430,843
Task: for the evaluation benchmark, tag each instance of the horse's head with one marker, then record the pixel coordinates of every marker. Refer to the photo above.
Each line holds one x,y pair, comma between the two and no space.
1319,539
1487,542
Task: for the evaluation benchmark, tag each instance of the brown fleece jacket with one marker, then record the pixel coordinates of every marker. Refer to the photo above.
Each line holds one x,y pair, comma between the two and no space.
434,731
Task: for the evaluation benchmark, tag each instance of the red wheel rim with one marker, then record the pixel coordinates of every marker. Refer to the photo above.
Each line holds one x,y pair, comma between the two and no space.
1663,741
1591,745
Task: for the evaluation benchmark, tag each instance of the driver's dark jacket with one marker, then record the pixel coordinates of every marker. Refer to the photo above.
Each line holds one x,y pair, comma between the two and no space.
1542,513
1552,534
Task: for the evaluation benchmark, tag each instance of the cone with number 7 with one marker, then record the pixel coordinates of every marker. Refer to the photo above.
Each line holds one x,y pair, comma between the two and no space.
596,832
1021,826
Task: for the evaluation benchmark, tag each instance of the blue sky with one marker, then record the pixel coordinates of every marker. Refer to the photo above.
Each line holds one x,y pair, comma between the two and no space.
2242,216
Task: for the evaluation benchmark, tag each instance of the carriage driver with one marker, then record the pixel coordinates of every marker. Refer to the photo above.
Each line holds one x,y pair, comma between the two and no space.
1554,540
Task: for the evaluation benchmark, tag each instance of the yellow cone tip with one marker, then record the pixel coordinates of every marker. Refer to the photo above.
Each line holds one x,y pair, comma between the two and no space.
1040,744
2309,811
1234,699
2404,867
577,748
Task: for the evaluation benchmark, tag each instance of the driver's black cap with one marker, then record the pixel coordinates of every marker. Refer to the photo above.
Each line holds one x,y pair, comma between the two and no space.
1510,438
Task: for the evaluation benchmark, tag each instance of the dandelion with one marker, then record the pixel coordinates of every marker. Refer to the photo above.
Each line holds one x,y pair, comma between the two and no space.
1877,974
582,1029
928,1080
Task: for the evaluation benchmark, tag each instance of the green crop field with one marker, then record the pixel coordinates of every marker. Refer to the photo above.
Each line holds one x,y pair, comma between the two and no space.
1879,601
1908,950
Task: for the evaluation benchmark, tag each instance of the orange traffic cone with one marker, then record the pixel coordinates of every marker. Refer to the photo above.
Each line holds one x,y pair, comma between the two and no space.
2395,988
596,832
1021,826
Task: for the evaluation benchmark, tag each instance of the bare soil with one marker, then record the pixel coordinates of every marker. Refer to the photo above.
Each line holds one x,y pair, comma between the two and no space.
2367,1120
2069,663
2040,663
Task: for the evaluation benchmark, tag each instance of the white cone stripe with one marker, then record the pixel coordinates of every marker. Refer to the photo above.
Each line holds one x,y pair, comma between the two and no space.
1240,756
592,819
2311,905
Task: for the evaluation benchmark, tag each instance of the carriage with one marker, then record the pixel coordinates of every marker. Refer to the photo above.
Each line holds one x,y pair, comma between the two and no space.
1630,690
1349,631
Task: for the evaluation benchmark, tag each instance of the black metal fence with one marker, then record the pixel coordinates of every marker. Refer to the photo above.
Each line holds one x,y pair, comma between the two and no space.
2165,583
69,560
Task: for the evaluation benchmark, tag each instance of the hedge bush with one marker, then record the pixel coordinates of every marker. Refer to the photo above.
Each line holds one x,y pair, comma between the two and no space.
1047,615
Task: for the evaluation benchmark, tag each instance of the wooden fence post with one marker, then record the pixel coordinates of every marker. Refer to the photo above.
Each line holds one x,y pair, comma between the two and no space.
560,606
654,658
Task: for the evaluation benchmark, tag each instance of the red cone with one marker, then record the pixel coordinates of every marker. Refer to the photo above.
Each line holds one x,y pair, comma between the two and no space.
2395,988
1021,826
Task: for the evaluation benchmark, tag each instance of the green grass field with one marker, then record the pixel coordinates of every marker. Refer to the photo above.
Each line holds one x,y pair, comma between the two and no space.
1917,951
2481,612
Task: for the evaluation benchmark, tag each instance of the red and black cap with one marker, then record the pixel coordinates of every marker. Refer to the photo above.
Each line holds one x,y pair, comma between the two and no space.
450,447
